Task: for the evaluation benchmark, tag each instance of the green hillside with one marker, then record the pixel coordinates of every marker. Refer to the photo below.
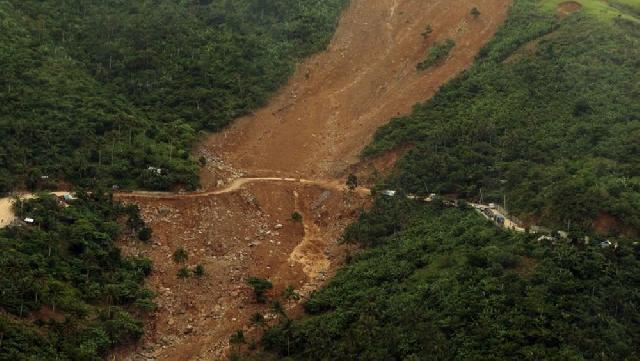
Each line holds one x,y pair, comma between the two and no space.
548,117
96,92
449,285
67,292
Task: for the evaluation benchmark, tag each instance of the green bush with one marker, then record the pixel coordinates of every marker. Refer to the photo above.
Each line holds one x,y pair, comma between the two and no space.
436,54
145,234
260,287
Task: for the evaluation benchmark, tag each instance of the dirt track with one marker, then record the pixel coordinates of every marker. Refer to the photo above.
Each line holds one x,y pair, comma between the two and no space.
313,129
238,184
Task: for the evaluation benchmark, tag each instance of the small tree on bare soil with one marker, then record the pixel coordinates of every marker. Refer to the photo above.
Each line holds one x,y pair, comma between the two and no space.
183,273
237,339
198,271
290,294
260,287
180,255
475,12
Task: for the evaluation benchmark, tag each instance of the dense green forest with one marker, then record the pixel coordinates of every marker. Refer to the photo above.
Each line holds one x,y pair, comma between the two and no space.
449,285
548,117
96,92
66,291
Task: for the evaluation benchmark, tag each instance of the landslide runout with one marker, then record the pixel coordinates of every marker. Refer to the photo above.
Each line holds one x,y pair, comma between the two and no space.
291,156
320,121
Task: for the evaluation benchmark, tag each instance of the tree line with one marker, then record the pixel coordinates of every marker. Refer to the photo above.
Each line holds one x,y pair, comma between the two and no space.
97,92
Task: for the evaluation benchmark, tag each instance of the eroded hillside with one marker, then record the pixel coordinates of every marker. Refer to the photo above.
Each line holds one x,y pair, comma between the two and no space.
321,120
313,129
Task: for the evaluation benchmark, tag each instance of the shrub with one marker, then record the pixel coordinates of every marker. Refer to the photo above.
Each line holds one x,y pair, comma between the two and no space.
436,54
180,255
145,234
198,271
183,273
260,287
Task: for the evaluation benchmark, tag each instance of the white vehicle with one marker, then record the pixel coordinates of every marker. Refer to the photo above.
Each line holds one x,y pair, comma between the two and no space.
388,193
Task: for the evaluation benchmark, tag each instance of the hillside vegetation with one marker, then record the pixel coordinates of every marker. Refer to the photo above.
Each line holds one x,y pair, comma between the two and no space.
96,92
67,292
548,117
448,285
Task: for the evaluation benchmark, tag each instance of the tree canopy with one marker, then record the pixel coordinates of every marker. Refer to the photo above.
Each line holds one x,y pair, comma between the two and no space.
115,92
67,292
449,285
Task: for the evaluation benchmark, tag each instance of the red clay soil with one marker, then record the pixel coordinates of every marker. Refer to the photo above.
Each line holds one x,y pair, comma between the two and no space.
318,123
314,129
234,235
605,224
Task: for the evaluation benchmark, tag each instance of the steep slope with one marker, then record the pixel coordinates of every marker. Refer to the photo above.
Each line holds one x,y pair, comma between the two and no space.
326,114
95,92
549,115
548,119
368,74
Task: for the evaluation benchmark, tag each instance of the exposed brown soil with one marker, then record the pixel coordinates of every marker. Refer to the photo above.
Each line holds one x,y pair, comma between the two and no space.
234,235
313,129
568,7
318,123
605,224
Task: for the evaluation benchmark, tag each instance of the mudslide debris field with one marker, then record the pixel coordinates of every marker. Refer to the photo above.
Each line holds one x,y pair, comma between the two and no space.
313,129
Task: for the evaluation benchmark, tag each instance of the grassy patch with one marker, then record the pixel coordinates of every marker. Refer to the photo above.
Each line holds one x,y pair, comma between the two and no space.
436,54
602,10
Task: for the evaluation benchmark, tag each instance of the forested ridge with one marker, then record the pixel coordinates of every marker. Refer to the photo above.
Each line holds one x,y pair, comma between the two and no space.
96,92
445,284
547,119
66,291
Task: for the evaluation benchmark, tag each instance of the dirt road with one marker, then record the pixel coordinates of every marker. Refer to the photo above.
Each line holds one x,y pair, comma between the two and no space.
240,224
239,183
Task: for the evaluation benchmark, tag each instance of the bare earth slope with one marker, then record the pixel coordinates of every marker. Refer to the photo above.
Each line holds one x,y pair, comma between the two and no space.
322,119
313,129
